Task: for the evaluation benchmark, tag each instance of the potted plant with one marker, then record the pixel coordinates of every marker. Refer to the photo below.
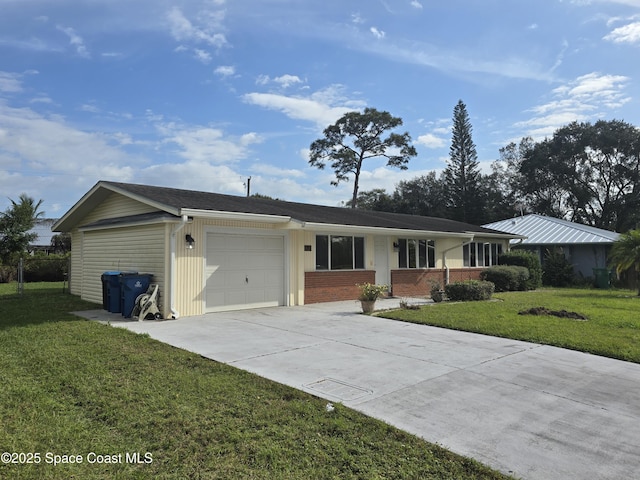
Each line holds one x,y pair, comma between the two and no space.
369,293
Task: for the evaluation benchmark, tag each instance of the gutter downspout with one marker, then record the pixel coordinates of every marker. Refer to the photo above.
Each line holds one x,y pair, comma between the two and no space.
172,248
444,258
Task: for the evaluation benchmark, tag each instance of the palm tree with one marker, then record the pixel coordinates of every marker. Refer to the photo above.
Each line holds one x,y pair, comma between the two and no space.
625,253
15,224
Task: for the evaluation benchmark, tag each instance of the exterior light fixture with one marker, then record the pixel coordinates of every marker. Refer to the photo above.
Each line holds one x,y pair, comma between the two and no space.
190,241
396,246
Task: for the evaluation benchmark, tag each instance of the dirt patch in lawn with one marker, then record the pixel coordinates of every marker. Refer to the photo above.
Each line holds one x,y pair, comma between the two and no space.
555,313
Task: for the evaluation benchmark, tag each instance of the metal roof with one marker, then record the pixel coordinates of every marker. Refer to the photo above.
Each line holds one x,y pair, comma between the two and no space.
541,230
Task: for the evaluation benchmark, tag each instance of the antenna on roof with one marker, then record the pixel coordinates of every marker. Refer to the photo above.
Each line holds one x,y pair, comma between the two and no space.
248,185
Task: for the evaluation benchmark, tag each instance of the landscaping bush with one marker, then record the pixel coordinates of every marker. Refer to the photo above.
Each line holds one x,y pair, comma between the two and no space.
469,290
506,278
522,258
557,272
49,268
8,273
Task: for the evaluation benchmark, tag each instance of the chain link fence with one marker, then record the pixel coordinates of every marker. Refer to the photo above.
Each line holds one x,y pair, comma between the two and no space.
39,268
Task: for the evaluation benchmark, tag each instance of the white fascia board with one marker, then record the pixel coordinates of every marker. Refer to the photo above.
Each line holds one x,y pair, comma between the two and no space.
246,217
400,232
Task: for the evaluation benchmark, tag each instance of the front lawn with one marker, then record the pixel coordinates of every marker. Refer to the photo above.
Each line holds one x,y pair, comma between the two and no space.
74,387
612,328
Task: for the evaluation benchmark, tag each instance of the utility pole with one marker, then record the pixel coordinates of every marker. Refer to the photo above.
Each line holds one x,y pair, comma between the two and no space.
248,185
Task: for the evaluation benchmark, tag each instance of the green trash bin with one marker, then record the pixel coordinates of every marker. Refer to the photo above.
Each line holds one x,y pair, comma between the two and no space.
602,278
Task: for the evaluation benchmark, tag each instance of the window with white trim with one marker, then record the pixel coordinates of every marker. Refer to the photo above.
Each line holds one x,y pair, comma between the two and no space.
476,254
414,253
339,252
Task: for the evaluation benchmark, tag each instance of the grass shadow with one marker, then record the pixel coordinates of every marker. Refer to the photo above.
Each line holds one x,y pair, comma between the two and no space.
38,303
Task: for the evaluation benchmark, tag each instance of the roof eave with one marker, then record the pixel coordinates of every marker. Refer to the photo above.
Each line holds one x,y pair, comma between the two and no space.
97,193
130,223
241,216
340,228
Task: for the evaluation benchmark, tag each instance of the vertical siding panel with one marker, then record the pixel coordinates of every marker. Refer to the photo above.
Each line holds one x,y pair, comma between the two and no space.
140,249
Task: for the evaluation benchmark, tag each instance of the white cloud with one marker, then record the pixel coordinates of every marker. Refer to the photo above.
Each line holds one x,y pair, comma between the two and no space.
285,81
206,144
41,99
202,55
87,107
323,107
582,99
357,18
273,171
183,30
42,142
629,33
225,70
430,140
416,4
75,40
10,82
379,34
194,175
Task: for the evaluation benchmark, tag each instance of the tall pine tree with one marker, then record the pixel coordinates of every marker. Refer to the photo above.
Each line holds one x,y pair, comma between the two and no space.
462,176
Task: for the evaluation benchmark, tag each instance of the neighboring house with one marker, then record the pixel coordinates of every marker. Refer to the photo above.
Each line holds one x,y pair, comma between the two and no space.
210,252
42,228
583,246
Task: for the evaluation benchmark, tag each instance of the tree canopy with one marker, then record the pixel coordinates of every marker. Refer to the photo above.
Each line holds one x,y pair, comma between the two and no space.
462,175
356,137
588,173
15,224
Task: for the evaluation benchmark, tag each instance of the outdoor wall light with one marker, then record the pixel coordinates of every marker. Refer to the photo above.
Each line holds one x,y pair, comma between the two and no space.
190,241
396,246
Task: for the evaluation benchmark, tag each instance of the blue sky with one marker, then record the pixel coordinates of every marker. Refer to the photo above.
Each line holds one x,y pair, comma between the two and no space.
202,94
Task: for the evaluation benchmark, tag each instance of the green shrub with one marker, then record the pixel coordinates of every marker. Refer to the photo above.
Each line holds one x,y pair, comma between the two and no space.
8,273
522,258
469,290
558,272
506,278
49,268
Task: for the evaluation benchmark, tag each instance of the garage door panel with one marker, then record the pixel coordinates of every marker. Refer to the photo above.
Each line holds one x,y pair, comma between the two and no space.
244,271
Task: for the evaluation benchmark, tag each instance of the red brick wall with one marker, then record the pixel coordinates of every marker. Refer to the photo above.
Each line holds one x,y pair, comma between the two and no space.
417,282
335,285
413,282
462,274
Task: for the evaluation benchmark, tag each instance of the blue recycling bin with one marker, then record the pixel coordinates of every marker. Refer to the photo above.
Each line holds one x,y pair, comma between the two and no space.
111,291
131,286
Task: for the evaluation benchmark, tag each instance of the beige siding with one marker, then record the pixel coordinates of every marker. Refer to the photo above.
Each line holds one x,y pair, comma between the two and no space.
189,282
115,206
140,249
75,276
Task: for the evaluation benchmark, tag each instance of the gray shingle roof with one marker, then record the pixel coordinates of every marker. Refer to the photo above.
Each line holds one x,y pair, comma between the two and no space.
541,230
177,199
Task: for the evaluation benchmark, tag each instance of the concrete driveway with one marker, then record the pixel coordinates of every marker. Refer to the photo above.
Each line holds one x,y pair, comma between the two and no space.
533,411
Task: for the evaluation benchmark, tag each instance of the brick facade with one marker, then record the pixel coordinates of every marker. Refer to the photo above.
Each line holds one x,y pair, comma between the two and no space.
413,282
332,286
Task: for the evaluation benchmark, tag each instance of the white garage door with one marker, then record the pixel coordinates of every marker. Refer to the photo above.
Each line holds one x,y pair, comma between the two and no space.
243,271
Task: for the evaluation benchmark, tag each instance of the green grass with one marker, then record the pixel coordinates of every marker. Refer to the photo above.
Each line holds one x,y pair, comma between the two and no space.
612,328
71,387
